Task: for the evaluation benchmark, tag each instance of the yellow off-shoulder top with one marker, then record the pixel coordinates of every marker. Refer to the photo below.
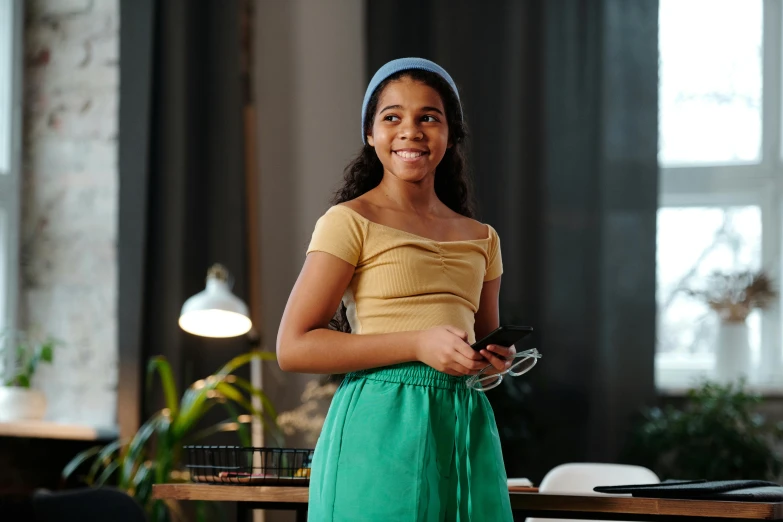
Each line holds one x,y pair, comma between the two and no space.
403,281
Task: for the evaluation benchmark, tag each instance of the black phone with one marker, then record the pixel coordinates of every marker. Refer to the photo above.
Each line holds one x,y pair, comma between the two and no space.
503,336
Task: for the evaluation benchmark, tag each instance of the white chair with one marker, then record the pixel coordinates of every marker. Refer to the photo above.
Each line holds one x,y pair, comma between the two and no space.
581,477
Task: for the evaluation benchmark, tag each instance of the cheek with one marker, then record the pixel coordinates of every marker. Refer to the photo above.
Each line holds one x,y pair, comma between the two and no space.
443,143
443,140
379,140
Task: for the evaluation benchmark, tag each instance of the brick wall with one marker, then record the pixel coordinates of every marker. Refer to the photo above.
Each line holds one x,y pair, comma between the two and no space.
70,201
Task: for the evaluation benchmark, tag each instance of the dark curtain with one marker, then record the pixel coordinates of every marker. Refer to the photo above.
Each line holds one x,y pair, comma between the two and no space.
561,98
182,185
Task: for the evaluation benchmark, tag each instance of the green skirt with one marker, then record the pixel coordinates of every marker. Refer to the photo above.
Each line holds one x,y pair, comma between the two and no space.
408,443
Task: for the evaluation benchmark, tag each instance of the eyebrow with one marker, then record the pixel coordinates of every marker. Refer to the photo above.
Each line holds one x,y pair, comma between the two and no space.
425,109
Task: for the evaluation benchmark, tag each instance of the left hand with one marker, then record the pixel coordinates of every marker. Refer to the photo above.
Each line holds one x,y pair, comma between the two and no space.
499,357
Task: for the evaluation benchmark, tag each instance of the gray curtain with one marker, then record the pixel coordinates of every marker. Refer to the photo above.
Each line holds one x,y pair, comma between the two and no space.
182,184
561,98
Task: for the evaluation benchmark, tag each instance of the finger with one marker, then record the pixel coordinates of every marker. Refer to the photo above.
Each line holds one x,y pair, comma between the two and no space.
496,362
462,334
470,364
460,370
466,351
502,351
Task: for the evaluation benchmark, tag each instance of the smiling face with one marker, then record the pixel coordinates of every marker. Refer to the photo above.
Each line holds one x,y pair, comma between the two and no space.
409,133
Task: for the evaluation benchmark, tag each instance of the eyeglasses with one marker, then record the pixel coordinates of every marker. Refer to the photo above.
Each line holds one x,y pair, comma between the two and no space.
523,363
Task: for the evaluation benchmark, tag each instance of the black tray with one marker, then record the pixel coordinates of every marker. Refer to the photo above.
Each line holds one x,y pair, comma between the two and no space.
249,466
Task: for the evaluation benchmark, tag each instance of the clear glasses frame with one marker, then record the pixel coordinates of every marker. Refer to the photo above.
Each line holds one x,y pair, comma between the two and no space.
523,363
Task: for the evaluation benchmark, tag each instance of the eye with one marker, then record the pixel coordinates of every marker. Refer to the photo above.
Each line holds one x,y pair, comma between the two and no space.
391,117
429,118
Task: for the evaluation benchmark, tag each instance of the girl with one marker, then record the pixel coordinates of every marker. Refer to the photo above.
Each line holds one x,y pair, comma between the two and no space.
405,439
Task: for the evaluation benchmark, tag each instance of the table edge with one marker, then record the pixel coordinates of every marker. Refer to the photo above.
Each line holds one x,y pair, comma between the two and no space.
627,505
598,504
230,493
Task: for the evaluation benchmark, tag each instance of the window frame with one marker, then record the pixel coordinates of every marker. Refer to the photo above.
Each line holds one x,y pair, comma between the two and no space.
10,182
743,184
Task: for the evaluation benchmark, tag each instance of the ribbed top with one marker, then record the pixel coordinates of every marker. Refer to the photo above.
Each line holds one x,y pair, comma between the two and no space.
404,281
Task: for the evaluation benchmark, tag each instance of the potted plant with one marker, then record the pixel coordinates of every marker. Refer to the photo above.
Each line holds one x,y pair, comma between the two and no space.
717,434
18,399
733,296
154,455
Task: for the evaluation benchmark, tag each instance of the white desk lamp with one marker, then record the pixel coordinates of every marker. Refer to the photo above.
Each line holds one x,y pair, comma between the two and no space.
215,311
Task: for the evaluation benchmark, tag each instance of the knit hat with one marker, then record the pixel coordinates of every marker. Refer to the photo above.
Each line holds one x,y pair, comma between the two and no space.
404,64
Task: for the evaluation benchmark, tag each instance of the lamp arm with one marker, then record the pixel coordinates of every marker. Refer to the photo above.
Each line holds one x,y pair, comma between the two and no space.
253,338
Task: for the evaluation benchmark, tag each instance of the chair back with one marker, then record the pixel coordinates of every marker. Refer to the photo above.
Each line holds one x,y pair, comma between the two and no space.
581,477
80,505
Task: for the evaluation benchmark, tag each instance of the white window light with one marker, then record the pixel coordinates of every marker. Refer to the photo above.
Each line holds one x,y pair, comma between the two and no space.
721,191
10,162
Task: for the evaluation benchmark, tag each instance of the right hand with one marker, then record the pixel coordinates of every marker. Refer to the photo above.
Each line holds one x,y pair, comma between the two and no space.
446,349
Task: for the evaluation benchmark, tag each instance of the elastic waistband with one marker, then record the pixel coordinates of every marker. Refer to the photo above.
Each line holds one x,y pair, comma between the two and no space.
417,374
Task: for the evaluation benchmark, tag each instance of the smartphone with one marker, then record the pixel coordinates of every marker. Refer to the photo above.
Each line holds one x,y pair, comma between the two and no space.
503,336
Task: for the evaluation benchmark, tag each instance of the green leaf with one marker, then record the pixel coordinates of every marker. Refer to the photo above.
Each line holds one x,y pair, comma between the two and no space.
197,398
225,426
201,511
242,431
267,406
176,510
206,511
78,460
243,359
193,410
134,455
142,474
231,393
161,365
21,380
141,484
166,451
107,473
47,351
22,353
192,400
103,459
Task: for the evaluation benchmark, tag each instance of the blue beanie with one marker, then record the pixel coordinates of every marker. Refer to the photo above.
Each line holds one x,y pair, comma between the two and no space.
404,64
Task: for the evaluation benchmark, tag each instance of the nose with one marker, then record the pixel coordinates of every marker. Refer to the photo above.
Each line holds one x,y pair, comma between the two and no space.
410,130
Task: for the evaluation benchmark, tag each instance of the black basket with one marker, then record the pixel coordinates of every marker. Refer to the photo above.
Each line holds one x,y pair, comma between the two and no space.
249,466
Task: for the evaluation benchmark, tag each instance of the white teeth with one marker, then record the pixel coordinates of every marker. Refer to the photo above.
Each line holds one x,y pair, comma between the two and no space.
409,155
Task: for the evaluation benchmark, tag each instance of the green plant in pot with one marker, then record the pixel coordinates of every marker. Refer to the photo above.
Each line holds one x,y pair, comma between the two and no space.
154,455
717,434
19,400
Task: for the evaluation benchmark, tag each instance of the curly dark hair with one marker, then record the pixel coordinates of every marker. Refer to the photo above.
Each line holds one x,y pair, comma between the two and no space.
452,178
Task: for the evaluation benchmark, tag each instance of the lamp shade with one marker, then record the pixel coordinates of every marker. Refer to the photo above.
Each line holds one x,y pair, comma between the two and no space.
215,312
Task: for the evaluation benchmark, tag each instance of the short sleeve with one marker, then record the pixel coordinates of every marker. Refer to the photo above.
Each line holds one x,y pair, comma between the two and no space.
494,259
340,233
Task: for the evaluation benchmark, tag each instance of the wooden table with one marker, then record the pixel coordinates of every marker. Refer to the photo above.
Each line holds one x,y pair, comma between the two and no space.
543,505
247,498
610,507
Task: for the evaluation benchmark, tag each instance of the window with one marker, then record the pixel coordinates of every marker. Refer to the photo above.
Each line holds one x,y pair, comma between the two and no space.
721,190
10,159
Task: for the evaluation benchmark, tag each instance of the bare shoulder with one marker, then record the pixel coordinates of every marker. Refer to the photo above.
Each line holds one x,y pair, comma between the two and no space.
355,204
362,205
473,228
